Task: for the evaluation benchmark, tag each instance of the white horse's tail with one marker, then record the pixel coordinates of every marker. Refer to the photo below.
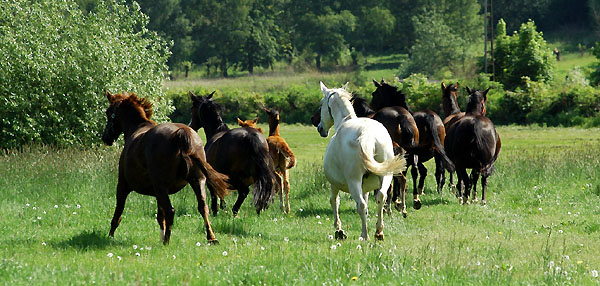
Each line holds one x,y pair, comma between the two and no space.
392,166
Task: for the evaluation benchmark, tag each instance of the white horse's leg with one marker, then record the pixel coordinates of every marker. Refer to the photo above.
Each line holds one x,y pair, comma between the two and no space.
366,198
355,189
381,198
335,205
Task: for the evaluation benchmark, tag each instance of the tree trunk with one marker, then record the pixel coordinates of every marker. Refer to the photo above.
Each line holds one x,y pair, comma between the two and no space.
318,59
224,66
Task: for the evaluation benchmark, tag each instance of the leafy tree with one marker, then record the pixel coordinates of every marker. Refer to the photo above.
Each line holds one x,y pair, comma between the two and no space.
261,47
374,28
595,76
58,60
525,54
325,35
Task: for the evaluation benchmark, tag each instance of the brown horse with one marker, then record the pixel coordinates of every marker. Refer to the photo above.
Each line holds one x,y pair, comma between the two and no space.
451,111
431,137
283,157
240,153
473,143
405,135
158,160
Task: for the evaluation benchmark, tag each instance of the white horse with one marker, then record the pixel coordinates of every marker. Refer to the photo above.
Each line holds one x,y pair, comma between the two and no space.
359,158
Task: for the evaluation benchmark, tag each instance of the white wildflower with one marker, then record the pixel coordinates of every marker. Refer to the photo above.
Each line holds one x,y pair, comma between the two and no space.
224,253
110,254
594,273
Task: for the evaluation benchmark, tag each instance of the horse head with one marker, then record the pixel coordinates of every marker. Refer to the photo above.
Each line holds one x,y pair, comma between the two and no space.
449,98
326,120
115,114
386,95
477,101
201,105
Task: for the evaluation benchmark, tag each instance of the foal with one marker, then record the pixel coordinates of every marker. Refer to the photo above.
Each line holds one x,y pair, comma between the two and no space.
280,151
158,160
473,143
359,158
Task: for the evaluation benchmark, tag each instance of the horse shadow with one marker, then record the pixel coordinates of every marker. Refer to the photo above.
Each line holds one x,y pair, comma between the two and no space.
87,240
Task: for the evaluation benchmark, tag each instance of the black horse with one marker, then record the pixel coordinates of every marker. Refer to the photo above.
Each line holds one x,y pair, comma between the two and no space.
473,143
431,136
241,153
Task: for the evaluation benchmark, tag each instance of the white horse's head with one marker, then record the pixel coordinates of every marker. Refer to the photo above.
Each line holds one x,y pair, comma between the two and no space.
326,115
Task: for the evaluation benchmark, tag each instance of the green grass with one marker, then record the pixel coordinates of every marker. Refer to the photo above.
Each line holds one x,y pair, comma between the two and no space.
541,224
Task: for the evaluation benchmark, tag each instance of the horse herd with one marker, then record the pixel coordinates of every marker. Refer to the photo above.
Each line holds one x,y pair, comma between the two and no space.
372,146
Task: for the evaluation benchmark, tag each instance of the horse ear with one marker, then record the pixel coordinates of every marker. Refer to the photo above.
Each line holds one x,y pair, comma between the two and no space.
323,87
109,96
193,96
376,83
443,85
382,81
345,86
485,93
255,120
240,121
211,94
468,90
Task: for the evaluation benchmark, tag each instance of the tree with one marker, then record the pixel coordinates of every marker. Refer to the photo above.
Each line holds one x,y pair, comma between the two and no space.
374,29
325,35
261,47
58,60
525,54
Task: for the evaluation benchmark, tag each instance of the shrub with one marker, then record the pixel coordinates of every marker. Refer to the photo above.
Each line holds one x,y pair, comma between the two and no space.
56,61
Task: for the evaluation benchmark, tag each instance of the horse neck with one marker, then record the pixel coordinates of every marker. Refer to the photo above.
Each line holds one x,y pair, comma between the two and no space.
475,108
450,104
213,125
132,121
362,109
274,128
342,112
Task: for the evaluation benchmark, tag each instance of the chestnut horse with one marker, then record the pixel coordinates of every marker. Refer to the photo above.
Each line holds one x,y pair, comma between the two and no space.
283,157
404,133
452,112
158,160
240,153
473,143
431,137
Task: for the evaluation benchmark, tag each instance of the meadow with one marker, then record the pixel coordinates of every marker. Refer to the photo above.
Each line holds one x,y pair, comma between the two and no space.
541,224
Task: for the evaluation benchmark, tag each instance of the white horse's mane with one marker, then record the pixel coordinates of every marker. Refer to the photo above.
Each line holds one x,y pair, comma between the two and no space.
344,94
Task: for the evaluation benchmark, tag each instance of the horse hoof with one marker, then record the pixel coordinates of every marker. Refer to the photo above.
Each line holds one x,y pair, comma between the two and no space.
398,206
379,236
404,214
213,242
460,200
417,205
483,202
466,200
340,235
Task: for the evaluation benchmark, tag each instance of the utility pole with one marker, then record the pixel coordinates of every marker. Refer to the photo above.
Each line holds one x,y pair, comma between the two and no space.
488,23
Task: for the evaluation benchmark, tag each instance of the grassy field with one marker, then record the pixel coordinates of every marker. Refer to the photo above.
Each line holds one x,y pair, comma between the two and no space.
541,224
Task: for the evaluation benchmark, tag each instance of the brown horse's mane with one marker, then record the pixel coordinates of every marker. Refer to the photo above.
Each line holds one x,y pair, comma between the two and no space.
141,103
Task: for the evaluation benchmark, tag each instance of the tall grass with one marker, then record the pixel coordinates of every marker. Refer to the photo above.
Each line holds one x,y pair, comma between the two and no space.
541,224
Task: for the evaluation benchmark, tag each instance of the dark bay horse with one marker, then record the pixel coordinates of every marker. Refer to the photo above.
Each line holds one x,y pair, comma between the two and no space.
241,153
452,112
158,160
281,153
404,133
431,136
473,143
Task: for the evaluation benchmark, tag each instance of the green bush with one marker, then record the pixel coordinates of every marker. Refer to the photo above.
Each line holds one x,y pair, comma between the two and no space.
56,61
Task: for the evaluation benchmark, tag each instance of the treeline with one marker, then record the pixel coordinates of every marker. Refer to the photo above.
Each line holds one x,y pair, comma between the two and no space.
246,34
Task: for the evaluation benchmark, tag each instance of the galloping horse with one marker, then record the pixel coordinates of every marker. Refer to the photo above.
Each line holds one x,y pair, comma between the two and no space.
240,153
404,133
451,111
431,137
283,157
473,143
158,160
359,158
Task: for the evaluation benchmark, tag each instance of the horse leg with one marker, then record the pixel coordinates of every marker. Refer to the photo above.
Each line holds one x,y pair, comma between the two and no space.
381,198
286,189
474,179
452,186
388,202
169,212
213,201
199,187
355,189
483,188
160,218
123,191
416,200
440,173
335,205
366,197
279,179
422,176
400,184
242,194
464,185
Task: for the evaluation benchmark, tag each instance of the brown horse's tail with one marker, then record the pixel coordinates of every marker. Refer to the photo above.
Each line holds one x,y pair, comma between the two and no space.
282,147
264,175
216,180
437,143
